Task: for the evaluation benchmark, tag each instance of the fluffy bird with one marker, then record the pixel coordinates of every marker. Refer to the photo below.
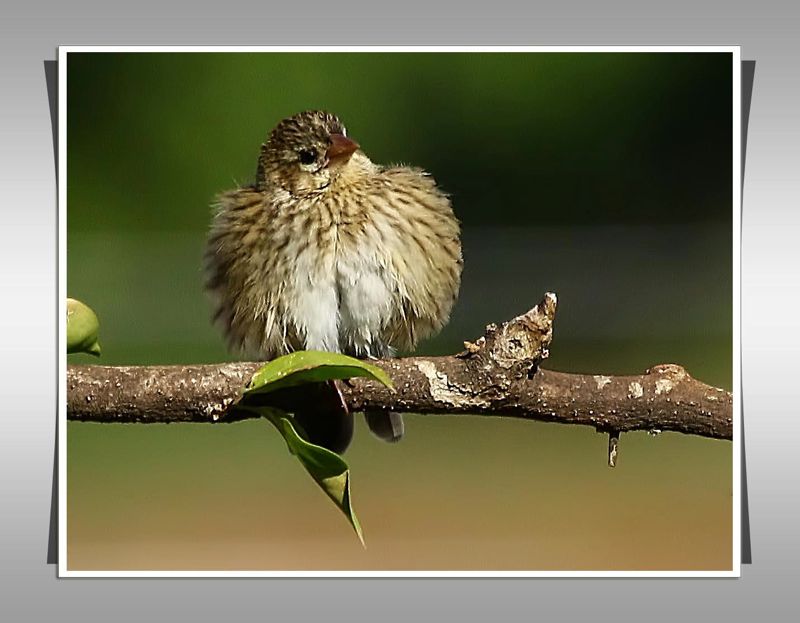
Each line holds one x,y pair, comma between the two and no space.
330,251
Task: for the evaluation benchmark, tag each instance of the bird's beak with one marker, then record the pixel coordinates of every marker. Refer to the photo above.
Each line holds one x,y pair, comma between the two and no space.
341,147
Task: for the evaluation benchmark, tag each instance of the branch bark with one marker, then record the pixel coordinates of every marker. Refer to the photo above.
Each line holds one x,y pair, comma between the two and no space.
498,375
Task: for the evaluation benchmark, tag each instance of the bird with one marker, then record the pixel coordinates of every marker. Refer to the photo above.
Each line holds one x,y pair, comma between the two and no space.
329,251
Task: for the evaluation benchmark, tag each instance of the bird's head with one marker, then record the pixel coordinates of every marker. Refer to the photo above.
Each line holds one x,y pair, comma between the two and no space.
308,153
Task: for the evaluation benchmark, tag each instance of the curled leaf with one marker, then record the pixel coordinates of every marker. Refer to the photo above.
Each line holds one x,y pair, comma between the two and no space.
82,329
328,469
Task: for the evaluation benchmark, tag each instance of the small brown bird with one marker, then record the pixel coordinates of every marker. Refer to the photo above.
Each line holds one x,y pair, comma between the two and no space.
329,251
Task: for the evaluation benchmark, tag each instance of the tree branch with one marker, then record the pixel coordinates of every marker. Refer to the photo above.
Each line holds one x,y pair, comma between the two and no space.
496,376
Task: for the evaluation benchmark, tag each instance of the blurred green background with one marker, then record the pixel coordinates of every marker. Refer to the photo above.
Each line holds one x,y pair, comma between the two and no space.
605,178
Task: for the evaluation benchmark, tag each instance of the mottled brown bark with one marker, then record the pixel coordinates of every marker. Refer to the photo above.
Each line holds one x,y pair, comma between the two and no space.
496,376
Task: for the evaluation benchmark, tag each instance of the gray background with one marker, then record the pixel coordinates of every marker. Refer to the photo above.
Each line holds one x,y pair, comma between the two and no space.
30,590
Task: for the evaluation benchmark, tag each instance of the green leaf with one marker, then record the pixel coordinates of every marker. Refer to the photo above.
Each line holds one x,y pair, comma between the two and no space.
328,469
82,328
310,366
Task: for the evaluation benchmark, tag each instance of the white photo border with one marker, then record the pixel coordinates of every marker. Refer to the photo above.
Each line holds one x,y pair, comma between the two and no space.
63,569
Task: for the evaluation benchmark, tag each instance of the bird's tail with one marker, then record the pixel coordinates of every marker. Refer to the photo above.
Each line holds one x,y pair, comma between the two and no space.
385,425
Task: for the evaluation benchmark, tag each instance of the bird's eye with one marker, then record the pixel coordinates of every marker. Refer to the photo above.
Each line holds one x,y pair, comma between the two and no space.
307,156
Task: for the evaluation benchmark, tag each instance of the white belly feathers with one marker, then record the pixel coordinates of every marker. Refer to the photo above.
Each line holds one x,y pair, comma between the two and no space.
343,304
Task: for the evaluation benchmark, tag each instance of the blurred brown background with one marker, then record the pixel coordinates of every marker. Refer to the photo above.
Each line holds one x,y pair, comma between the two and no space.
603,177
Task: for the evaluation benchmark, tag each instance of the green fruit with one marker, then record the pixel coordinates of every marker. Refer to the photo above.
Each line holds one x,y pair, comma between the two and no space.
82,328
